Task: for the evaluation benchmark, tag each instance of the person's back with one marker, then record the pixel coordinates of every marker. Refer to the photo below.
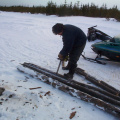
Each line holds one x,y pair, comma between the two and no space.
74,33
72,37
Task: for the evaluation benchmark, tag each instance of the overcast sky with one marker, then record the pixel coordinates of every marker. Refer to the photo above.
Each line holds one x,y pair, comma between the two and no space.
109,3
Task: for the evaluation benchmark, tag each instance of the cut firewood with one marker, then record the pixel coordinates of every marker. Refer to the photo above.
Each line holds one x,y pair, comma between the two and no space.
47,93
34,88
72,115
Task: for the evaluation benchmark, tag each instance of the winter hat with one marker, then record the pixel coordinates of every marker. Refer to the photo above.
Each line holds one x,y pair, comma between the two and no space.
57,28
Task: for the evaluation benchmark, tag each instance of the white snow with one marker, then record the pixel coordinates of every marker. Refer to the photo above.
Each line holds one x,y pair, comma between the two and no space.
28,37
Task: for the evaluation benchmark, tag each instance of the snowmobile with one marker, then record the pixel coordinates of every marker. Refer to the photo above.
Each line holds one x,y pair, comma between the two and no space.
94,34
110,49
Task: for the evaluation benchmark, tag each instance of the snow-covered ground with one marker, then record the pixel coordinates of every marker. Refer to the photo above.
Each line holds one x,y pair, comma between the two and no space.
28,38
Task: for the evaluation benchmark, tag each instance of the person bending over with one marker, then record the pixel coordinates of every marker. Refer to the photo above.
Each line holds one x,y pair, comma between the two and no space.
74,41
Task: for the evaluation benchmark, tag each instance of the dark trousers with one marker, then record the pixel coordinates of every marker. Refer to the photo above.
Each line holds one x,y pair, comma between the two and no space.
74,56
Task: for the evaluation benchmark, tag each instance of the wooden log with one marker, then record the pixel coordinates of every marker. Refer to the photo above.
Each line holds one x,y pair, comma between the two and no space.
99,83
78,94
71,83
94,81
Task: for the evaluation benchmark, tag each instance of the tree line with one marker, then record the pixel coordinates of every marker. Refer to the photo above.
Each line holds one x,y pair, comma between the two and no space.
89,10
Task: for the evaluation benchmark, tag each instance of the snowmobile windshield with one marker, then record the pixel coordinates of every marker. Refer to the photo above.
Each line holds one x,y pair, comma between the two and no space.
117,38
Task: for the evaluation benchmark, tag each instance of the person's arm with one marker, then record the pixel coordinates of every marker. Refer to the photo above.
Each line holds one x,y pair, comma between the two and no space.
68,42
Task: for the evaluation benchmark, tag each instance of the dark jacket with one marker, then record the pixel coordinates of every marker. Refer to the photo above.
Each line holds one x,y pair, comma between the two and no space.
72,37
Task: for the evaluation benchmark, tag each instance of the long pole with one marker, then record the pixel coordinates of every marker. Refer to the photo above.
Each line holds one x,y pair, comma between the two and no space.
58,67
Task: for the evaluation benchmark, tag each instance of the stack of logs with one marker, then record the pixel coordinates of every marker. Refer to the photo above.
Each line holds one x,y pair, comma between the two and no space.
104,96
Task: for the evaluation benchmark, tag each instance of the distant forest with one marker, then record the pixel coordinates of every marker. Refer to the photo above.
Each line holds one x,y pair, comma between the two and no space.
89,10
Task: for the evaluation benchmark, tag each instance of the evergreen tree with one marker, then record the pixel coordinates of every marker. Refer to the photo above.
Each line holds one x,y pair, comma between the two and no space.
69,9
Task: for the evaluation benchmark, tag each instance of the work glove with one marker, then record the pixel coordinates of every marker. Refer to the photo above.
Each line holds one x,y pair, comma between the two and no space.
63,58
66,58
60,57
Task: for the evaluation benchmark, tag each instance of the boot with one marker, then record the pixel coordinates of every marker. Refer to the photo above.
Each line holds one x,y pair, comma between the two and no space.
71,71
68,76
